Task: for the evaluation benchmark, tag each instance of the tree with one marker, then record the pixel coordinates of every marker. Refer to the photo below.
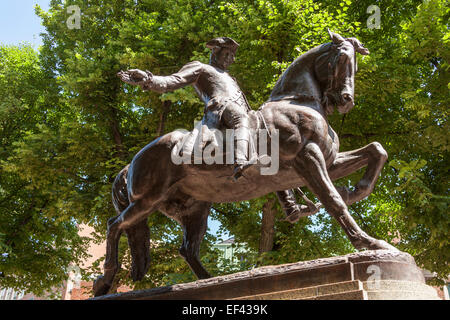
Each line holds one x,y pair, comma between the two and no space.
85,125
37,243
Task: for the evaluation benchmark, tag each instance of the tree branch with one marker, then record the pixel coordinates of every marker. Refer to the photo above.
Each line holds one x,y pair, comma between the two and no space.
372,134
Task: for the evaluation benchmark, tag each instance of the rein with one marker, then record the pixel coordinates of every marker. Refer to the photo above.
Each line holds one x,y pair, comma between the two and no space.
264,121
332,75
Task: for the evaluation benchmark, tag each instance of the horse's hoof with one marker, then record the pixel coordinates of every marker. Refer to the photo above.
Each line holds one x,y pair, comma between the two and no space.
101,287
139,268
383,245
373,244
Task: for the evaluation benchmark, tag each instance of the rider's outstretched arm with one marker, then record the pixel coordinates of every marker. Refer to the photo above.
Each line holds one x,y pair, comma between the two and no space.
186,76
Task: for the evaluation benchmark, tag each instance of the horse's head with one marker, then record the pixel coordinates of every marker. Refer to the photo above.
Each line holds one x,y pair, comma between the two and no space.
336,69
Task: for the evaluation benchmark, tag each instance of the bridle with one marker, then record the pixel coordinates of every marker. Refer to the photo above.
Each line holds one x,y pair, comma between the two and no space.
332,63
332,77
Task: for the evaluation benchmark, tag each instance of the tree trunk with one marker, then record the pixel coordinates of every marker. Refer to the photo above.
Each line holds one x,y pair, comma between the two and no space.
116,135
162,118
267,226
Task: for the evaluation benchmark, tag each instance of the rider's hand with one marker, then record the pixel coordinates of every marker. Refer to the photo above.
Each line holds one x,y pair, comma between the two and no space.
135,76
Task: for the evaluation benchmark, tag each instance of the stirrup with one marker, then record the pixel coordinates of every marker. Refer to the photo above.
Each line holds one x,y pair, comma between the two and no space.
240,168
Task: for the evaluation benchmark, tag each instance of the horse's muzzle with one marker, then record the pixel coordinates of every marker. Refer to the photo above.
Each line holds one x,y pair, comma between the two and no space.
346,104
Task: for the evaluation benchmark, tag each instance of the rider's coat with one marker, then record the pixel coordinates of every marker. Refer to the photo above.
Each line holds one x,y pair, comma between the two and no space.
224,100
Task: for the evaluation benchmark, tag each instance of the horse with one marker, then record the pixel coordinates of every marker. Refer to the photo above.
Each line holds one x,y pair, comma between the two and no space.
297,109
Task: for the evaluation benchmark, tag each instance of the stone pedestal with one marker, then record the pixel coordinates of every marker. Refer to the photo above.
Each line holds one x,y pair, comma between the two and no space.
368,275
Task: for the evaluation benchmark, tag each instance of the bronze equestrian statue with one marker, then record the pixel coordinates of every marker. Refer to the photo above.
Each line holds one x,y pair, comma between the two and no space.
297,109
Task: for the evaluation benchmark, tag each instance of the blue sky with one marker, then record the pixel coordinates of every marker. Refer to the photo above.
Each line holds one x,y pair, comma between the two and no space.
19,23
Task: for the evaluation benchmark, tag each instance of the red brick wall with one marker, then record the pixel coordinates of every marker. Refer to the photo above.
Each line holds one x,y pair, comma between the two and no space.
85,291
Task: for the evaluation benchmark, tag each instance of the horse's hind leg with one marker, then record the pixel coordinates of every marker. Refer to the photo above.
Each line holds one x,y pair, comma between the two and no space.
133,214
310,164
138,235
194,221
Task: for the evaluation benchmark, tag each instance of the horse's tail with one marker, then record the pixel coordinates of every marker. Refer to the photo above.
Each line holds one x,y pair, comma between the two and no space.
138,234
119,191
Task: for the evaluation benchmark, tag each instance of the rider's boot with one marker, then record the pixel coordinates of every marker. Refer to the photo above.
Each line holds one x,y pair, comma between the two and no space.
241,162
241,147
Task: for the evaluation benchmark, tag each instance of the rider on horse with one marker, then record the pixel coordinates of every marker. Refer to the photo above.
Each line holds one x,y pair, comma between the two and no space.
309,89
224,102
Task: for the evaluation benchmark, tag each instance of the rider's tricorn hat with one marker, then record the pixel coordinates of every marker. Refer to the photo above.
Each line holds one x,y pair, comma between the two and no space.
222,42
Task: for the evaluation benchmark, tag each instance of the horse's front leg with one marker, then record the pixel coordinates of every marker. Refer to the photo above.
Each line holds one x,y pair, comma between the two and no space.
310,164
373,156
194,221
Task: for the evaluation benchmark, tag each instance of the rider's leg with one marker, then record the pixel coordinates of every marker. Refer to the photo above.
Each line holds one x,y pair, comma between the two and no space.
242,141
236,117
241,151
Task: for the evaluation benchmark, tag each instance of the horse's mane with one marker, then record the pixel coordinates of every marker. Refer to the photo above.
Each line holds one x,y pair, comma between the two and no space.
298,80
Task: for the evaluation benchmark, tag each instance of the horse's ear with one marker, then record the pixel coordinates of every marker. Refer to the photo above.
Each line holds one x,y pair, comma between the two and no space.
335,38
359,47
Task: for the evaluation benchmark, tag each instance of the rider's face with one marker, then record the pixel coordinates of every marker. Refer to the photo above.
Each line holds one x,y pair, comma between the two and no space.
224,58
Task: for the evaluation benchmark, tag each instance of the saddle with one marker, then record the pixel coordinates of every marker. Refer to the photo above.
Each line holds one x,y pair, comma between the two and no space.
210,145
